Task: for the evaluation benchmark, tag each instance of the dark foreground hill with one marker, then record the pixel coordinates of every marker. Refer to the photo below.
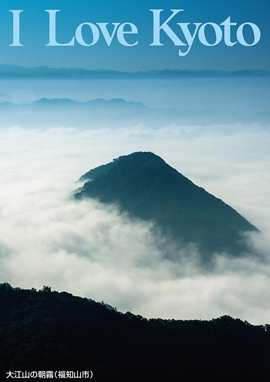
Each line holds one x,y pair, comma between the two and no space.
146,187
51,331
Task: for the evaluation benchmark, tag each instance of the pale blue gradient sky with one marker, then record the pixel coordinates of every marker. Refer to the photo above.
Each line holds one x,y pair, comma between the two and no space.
35,31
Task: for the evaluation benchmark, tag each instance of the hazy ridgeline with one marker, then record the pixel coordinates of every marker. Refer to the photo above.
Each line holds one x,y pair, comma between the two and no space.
156,102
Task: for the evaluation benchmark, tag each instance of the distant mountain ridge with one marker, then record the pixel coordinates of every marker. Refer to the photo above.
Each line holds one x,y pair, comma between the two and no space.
94,102
15,71
100,112
47,102
66,112
146,187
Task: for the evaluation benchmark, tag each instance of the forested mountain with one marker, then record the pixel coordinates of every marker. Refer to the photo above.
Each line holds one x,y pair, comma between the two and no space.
50,331
146,187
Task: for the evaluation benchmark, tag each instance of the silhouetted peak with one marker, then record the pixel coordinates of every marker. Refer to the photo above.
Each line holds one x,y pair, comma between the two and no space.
136,164
145,186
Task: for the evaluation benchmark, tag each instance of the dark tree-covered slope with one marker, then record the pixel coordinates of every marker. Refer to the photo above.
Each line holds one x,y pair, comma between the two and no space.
148,188
45,330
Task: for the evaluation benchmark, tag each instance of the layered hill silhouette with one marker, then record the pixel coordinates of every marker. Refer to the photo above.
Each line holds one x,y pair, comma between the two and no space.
48,113
96,113
145,186
49,331
44,72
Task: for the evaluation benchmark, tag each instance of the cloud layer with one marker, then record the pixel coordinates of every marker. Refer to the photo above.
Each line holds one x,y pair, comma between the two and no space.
47,238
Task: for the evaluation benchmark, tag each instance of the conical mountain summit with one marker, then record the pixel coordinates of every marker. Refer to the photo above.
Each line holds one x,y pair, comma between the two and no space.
146,187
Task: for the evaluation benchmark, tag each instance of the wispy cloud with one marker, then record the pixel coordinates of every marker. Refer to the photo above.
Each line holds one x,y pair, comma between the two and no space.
47,238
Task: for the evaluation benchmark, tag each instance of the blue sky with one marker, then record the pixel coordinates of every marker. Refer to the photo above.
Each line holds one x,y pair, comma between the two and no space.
34,35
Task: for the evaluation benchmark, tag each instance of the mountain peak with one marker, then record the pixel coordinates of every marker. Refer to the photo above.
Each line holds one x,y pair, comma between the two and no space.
133,164
146,187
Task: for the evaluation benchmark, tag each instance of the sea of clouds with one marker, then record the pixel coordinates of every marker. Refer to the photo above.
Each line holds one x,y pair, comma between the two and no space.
90,250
